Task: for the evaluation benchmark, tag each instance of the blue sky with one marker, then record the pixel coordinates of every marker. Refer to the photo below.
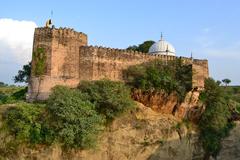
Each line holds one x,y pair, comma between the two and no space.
208,28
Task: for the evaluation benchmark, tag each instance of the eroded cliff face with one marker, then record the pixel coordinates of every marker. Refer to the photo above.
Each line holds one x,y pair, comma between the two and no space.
146,134
143,135
231,145
191,108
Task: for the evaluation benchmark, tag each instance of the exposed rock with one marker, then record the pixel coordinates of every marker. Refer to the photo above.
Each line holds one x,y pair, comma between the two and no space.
190,108
158,101
231,145
144,134
161,102
141,135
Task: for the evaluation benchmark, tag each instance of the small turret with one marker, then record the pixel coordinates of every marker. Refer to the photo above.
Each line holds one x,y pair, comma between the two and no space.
48,23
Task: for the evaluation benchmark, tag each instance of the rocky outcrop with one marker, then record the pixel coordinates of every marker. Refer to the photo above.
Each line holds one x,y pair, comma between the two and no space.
158,101
140,135
164,103
143,135
231,145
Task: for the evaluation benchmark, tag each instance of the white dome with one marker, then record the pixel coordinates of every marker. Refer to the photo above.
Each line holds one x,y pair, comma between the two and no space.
162,47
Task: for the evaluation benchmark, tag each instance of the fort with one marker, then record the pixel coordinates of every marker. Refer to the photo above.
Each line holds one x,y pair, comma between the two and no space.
62,57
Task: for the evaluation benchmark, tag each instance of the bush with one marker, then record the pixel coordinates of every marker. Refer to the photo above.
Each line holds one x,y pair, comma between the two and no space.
111,98
2,96
157,75
18,95
214,124
23,122
73,118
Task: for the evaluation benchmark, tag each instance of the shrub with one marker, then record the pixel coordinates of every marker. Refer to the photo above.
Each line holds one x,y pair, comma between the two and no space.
238,108
39,58
18,95
214,124
73,118
2,96
157,75
111,98
23,122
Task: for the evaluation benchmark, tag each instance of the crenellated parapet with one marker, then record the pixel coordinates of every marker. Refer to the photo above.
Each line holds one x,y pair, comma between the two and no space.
123,53
60,32
68,60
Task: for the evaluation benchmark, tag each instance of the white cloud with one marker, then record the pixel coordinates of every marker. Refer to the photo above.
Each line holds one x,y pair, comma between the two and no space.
16,40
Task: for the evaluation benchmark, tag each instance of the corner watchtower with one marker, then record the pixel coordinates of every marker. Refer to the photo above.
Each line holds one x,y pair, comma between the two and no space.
55,59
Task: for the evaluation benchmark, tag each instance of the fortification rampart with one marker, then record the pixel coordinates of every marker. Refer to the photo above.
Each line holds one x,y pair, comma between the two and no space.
100,62
69,60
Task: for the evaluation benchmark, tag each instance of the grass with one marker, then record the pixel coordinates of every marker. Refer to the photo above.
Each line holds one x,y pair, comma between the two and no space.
8,90
233,92
12,94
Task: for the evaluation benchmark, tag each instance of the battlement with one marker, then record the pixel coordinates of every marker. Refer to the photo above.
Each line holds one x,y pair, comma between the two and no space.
121,53
69,60
60,33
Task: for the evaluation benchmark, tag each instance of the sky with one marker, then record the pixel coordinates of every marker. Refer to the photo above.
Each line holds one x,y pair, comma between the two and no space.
210,29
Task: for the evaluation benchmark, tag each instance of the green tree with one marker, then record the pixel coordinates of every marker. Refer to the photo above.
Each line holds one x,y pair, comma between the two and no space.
23,74
133,48
2,84
111,98
157,75
214,124
226,81
144,47
218,82
72,118
23,122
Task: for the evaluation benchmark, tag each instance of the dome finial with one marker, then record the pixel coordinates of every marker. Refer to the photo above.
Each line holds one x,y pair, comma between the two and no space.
161,36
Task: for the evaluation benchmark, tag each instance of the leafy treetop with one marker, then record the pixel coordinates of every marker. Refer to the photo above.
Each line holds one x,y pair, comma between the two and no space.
144,47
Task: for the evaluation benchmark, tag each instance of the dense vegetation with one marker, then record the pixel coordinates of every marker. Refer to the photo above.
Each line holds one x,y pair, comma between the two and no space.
159,76
110,98
232,92
12,94
144,47
24,122
71,117
75,117
214,124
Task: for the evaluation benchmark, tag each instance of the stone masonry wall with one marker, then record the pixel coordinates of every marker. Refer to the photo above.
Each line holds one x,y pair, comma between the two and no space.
70,60
98,63
62,65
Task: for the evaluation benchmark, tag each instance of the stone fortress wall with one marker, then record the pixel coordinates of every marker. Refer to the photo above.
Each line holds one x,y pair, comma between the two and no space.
69,60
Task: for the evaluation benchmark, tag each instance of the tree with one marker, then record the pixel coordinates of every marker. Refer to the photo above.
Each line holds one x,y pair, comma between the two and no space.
214,124
72,118
144,47
112,99
23,74
2,84
218,82
133,48
156,75
226,81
